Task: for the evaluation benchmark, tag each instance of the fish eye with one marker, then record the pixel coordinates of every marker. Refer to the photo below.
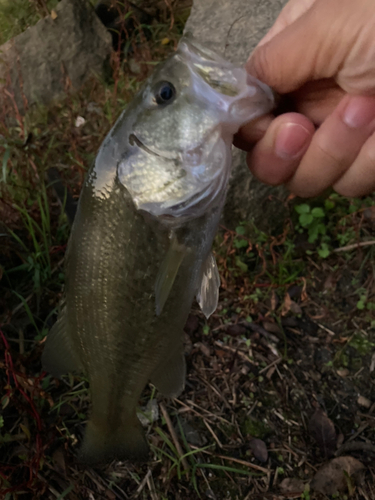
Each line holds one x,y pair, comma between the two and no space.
165,93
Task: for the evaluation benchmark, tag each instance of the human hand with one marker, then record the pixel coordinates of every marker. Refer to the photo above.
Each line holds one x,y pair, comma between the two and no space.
320,55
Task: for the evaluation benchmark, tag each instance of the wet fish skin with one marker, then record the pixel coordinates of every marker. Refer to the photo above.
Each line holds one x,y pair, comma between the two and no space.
141,241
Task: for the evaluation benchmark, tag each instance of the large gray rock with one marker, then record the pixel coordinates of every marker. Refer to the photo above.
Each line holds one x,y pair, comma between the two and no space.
233,28
44,61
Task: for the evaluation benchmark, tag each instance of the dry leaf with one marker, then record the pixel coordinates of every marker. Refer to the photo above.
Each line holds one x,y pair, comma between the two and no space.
295,308
205,350
236,330
271,327
274,301
53,14
286,305
259,449
332,477
323,431
58,456
343,372
330,282
362,401
270,372
292,484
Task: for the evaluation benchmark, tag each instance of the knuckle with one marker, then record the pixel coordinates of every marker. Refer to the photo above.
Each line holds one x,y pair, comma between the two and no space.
259,64
329,157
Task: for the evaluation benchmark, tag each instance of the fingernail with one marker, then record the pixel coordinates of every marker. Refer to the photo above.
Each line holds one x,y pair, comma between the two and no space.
291,140
359,112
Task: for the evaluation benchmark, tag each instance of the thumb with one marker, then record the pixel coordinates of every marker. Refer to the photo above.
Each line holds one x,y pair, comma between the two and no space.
311,48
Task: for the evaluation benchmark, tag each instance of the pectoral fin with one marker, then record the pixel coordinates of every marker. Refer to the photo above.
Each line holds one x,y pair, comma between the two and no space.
169,376
59,356
208,294
167,273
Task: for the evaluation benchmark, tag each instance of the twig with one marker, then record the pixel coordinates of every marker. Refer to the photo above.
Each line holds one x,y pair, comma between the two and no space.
151,487
174,438
330,332
266,368
231,349
21,304
355,446
232,459
143,484
354,245
213,415
288,422
213,434
356,434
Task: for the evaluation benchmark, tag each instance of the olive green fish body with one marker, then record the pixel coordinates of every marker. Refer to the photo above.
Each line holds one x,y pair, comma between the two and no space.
113,259
139,251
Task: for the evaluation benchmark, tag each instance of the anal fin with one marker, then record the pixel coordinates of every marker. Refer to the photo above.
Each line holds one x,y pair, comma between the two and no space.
169,376
208,293
58,356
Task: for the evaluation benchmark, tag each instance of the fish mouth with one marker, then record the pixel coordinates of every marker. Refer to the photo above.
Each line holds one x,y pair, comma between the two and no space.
189,157
134,140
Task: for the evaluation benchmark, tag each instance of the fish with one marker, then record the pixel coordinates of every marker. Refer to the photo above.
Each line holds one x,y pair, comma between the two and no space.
139,251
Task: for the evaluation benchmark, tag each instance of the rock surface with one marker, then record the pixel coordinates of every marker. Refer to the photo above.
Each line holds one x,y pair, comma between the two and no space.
60,51
233,28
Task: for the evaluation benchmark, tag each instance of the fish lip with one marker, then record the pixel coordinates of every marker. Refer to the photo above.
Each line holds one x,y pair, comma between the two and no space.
134,140
180,155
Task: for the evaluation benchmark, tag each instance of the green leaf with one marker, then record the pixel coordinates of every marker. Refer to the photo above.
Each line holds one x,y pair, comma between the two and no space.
240,230
313,232
323,251
318,212
329,204
302,209
322,228
206,330
240,243
305,219
241,265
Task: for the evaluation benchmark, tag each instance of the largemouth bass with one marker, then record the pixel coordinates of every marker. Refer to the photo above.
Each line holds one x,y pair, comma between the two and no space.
140,245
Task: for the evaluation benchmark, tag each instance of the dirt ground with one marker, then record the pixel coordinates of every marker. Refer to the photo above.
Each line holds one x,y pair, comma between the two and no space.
279,400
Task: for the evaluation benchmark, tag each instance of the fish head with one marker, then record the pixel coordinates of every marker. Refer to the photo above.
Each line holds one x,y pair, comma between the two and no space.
179,155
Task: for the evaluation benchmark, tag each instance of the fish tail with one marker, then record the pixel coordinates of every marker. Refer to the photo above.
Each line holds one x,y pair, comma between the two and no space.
103,444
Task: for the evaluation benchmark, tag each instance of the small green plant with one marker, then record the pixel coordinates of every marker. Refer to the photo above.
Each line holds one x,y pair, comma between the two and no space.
306,493
312,220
